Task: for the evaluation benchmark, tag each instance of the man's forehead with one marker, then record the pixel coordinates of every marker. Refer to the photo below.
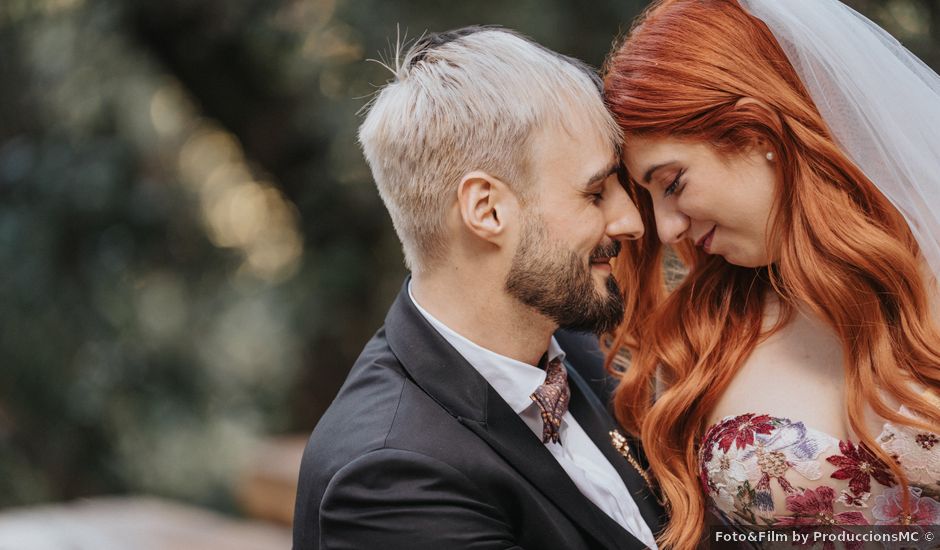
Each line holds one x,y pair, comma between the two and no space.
576,165
572,135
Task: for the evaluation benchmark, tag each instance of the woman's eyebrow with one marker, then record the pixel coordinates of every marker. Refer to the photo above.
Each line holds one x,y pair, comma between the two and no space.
649,173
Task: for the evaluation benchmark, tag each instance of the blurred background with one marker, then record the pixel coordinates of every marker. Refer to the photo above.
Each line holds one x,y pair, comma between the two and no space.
192,251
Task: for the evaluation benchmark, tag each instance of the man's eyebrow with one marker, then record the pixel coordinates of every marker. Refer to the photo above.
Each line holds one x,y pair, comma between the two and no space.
603,173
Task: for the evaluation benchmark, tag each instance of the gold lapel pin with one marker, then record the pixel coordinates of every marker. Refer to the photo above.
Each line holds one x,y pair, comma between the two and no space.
623,447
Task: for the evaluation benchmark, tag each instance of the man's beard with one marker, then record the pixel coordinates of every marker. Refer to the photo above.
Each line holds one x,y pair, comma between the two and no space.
555,282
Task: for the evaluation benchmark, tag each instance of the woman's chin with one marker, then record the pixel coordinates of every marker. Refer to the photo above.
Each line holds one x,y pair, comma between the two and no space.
746,260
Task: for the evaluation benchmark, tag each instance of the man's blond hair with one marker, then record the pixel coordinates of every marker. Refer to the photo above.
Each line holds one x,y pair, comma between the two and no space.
467,100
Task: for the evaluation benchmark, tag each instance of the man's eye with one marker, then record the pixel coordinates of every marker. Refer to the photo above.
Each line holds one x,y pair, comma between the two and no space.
597,197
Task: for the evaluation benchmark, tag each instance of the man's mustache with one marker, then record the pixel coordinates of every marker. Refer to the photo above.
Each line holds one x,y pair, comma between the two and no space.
610,250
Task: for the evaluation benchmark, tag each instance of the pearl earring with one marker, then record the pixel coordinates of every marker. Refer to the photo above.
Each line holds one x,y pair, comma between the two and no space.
770,156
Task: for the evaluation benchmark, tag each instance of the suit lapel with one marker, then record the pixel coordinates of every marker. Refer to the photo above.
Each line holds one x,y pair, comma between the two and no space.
597,423
509,436
455,385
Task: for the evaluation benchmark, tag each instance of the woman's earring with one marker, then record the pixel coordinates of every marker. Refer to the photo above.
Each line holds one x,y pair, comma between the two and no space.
770,156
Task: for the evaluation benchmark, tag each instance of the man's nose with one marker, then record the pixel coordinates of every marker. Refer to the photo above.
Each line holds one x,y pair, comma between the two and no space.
623,219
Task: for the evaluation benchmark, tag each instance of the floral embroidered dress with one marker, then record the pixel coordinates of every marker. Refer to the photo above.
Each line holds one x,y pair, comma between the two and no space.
761,470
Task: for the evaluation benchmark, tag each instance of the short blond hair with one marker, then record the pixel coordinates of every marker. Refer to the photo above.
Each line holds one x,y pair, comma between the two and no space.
467,100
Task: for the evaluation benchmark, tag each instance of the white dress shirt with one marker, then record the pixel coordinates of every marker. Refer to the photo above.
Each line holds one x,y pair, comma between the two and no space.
577,454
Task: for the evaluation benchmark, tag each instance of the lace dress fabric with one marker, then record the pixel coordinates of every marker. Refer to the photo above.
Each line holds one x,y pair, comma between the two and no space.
762,470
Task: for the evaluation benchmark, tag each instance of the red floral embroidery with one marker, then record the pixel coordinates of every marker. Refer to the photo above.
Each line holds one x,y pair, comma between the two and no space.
813,510
706,453
741,457
741,430
859,465
815,507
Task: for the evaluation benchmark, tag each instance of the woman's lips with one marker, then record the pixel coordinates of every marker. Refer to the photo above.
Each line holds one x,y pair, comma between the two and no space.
706,241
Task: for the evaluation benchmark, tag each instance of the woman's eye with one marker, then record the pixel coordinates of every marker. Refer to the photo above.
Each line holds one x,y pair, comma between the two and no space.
597,197
674,186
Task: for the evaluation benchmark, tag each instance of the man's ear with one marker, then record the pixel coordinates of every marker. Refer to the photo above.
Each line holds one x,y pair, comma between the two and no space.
485,203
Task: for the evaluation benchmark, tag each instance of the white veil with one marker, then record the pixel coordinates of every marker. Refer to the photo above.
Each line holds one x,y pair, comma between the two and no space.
881,102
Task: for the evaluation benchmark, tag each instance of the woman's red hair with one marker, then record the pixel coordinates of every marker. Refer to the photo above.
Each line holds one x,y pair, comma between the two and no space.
845,252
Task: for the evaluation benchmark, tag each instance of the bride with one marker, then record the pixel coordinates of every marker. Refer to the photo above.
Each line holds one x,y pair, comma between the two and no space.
789,152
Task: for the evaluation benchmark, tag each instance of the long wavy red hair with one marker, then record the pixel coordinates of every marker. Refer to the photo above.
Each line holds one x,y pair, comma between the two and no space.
846,253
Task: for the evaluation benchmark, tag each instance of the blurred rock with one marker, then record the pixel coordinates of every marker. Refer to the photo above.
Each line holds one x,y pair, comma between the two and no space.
141,523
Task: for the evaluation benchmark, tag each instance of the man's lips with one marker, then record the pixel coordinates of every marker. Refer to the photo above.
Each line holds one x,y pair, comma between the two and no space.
602,255
705,240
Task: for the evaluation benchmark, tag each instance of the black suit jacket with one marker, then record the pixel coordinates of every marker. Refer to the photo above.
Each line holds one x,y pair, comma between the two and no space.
418,451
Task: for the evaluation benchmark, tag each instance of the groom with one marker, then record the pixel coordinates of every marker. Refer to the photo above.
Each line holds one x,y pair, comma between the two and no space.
462,424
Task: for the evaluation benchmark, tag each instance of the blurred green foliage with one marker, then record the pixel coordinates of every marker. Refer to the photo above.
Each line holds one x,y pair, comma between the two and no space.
192,249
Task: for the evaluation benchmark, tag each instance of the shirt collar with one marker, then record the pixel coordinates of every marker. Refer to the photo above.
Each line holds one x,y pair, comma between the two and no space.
513,380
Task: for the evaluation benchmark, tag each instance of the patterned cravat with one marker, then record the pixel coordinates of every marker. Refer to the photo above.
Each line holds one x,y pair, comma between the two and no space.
552,398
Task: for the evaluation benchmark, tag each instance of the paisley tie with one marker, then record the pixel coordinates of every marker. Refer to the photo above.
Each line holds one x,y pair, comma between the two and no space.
552,397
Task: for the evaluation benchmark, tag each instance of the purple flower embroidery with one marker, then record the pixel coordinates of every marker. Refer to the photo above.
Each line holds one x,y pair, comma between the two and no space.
889,509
